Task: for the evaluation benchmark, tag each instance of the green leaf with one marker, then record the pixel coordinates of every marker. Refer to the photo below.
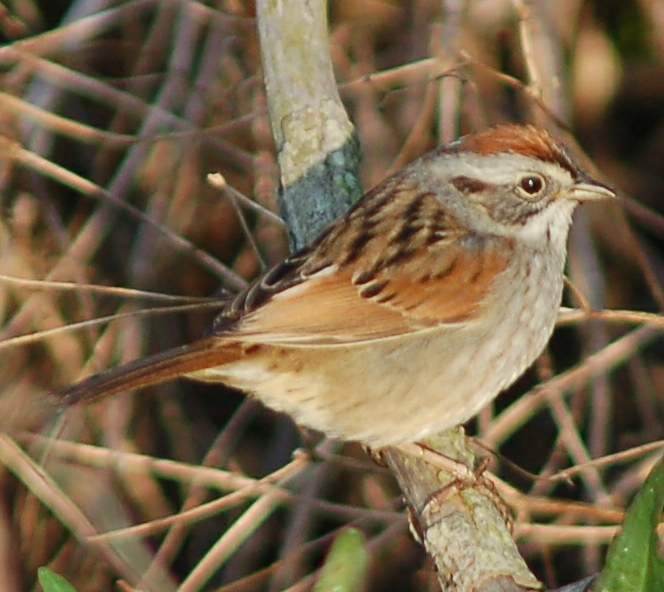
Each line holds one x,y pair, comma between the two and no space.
52,582
346,564
633,563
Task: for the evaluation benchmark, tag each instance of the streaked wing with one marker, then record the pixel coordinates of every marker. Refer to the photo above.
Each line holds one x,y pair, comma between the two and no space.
334,309
372,277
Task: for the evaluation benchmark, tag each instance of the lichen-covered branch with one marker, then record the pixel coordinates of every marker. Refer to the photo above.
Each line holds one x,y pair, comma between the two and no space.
316,144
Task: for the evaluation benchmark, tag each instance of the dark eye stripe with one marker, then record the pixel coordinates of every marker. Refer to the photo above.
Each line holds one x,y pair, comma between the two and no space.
468,185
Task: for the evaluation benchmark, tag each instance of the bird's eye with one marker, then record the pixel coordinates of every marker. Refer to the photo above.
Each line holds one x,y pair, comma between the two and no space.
531,185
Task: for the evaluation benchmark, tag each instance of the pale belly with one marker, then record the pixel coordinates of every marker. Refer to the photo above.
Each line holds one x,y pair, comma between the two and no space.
403,389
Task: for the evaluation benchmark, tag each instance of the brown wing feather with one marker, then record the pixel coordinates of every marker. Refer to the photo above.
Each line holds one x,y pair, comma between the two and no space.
356,238
398,262
445,285
321,311
433,287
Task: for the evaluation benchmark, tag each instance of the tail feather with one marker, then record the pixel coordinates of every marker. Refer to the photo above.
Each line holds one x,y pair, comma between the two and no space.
161,367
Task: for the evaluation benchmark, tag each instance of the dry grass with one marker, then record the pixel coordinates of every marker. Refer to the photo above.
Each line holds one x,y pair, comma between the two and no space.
110,122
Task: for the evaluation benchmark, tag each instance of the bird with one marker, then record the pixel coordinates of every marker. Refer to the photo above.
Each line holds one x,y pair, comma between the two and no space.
412,311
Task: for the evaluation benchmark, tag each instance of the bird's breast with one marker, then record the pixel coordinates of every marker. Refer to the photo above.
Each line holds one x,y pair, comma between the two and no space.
403,389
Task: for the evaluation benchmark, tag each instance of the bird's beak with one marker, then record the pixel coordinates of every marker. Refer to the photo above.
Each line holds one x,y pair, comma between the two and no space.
591,190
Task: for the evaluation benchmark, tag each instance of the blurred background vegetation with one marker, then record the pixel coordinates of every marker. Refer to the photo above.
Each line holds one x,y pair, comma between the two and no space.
111,116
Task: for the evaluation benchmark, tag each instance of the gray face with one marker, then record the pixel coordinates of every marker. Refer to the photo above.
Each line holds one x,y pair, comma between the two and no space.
508,193
515,202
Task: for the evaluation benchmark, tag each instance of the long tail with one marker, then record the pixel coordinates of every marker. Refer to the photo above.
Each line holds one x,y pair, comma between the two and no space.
161,367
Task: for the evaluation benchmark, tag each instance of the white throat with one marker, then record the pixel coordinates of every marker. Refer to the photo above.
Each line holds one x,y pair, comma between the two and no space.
549,225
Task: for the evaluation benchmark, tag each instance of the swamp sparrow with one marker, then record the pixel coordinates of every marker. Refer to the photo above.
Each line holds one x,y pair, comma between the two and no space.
409,313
